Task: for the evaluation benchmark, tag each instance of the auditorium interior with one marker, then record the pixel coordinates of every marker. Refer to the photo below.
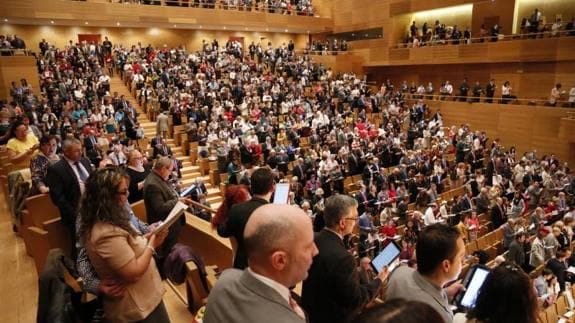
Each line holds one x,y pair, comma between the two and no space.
372,42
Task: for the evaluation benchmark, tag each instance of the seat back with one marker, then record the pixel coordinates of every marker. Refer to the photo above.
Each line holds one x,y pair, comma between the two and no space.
139,209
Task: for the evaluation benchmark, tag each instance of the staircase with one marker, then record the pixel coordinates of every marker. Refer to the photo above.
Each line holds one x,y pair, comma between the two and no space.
189,171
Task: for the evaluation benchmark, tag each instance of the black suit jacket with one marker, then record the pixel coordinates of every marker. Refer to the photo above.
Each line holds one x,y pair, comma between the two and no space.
332,292
497,216
65,189
558,268
239,216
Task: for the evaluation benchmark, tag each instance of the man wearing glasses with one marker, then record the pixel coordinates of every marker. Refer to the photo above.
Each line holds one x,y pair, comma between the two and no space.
333,292
160,198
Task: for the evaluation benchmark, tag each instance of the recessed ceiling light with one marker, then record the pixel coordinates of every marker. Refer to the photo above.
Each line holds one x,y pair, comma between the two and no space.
175,26
286,30
118,23
5,19
52,21
85,23
200,27
267,29
225,27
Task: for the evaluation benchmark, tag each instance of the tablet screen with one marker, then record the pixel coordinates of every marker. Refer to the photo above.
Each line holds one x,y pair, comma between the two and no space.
187,191
472,288
386,256
281,194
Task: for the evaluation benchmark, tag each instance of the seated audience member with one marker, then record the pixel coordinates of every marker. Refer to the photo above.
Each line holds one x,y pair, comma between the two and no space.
21,146
39,164
547,287
233,194
333,291
400,311
506,296
160,198
262,186
440,251
279,249
138,172
119,251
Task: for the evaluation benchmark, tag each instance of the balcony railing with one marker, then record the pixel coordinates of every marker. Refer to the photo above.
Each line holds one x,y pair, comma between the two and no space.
439,42
243,5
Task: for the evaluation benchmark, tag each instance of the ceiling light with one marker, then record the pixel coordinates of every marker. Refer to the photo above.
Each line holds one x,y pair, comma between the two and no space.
267,29
200,27
118,23
286,30
52,22
5,19
85,23
225,27
175,26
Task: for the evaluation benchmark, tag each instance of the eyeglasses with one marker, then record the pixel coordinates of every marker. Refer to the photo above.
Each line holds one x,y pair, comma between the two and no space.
126,192
351,218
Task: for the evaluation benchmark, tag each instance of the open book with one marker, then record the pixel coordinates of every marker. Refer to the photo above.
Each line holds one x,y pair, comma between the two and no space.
174,215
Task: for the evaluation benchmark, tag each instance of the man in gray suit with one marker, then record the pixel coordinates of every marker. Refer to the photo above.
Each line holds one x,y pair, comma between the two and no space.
280,248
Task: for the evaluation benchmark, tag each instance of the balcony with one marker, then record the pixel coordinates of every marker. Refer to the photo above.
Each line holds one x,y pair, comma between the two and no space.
104,13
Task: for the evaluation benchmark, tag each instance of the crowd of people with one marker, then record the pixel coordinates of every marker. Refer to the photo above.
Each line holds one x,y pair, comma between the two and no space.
285,7
440,34
11,42
270,117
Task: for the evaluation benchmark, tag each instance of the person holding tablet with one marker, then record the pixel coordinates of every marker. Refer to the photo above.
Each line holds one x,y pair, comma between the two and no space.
333,292
440,251
506,296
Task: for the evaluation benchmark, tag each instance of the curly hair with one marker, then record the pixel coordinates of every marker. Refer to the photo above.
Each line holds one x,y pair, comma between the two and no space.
99,204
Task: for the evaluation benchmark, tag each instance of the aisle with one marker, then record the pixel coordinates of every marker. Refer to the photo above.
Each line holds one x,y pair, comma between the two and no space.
18,279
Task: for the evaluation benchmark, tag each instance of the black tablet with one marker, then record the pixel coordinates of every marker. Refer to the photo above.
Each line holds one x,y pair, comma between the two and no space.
386,256
187,191
472,282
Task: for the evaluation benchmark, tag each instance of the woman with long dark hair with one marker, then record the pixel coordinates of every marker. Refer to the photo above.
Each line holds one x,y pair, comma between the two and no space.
119,251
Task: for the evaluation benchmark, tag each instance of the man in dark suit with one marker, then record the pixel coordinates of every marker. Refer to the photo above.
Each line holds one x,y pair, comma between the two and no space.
66,180
516,252
498,216
162,149
262,188
93,151
558,266
333,292
160,198
299,171
280,247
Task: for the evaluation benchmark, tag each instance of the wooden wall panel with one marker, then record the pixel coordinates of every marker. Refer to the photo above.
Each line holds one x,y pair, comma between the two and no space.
503,10
14,68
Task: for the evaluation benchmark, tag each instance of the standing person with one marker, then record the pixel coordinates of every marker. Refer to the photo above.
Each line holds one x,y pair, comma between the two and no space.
490,91
160,198
516,252
138,172
22,145
262,187
572,97
66,180
506,93
506,296
119,251
234,194
39,165
556,94
280,247
440,251
333,292
162,125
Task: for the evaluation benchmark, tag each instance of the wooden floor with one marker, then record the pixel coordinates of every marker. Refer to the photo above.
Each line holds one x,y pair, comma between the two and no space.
19,281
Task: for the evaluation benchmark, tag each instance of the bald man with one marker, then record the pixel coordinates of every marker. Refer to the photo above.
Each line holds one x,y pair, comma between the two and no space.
280,247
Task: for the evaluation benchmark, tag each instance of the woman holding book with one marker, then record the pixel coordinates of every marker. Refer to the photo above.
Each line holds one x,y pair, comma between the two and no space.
119,251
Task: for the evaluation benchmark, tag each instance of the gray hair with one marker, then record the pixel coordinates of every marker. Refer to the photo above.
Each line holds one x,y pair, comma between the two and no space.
162,162
70,142
337,207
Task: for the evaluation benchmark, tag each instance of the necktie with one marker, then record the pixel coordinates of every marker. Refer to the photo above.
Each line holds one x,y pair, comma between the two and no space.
80,169
296,308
